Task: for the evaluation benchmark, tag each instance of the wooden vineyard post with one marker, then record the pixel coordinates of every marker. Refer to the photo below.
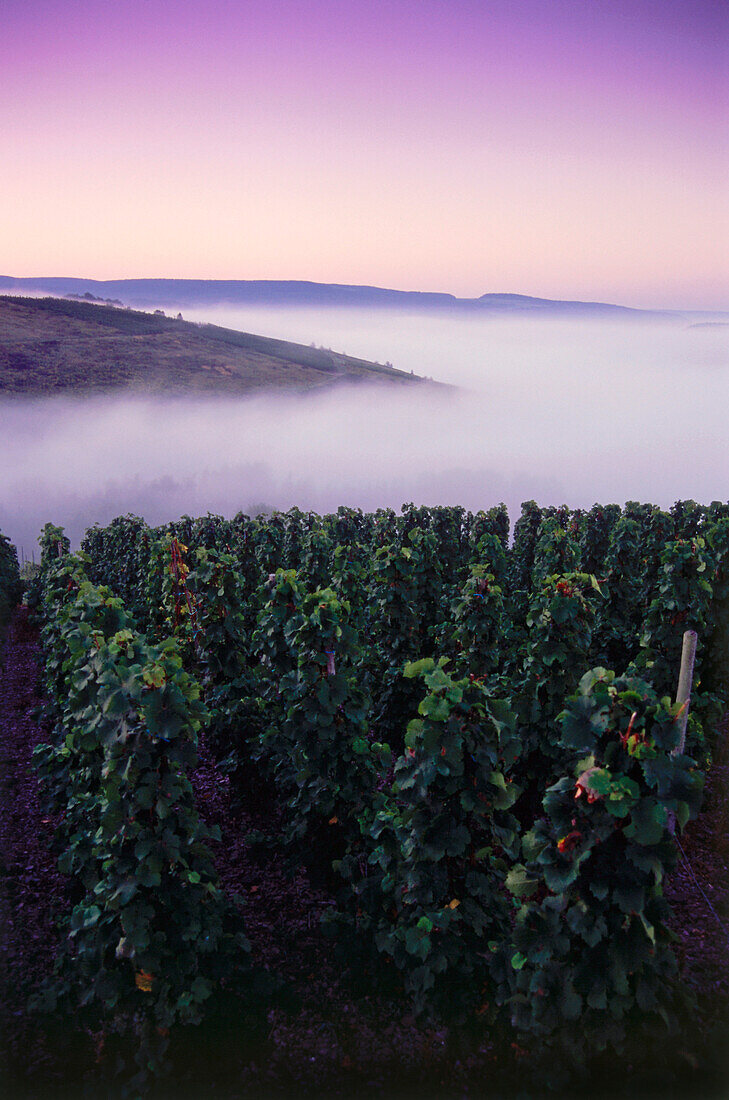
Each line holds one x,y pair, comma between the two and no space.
685,680
683,696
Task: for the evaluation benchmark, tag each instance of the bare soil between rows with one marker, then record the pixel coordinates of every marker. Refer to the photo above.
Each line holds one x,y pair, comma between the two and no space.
332,1029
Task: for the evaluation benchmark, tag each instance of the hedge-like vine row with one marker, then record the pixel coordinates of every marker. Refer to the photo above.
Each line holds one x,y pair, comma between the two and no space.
402,681
150,935
10,584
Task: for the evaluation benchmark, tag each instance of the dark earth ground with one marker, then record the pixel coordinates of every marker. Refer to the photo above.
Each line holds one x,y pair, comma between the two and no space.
328,1035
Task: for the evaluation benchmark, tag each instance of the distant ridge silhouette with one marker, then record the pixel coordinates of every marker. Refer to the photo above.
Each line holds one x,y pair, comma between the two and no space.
201,292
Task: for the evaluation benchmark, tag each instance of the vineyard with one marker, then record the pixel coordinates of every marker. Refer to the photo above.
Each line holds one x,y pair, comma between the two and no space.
465,738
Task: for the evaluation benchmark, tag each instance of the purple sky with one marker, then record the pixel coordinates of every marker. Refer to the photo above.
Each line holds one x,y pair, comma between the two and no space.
566,148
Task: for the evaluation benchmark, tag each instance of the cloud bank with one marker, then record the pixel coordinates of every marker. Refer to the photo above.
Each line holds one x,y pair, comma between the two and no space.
569,414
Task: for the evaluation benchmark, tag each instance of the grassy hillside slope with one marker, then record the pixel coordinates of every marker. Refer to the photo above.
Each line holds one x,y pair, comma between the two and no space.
52,346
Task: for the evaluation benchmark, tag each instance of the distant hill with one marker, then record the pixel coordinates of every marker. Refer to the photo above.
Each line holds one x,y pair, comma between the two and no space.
54,346
181,293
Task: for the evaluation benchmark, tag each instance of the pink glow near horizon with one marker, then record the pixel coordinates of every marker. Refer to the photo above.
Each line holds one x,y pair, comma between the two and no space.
561,148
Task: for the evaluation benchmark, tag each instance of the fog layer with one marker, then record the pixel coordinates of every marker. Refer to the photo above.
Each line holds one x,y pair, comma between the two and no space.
569,412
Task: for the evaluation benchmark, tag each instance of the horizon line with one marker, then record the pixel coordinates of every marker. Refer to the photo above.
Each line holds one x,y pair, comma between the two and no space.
363,286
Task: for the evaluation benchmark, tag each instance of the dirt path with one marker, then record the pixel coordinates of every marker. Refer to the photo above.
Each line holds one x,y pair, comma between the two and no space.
326,1037
698,893
31,889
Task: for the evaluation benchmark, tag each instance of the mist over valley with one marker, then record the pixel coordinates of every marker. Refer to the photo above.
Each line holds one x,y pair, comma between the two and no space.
559,410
